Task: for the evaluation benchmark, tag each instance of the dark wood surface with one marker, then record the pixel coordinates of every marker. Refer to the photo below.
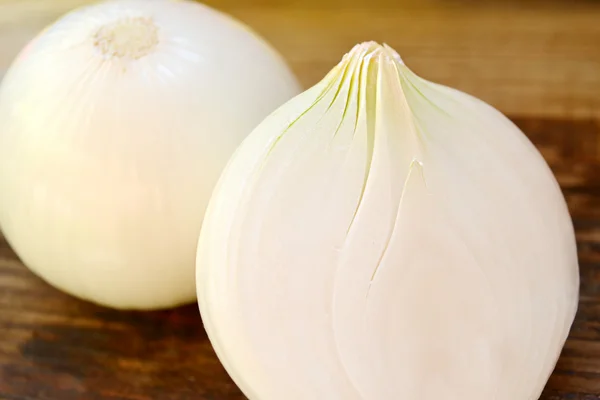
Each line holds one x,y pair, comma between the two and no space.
539,62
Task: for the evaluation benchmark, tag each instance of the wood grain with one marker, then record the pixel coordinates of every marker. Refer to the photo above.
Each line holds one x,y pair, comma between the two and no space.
537,61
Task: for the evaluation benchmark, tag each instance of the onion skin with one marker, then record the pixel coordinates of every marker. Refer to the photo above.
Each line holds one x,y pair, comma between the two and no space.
383,237
115,123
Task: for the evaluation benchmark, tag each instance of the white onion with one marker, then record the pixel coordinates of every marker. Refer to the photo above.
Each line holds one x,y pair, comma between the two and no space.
115,124
383,237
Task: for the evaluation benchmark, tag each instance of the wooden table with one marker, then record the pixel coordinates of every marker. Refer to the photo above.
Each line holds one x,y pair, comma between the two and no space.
539,63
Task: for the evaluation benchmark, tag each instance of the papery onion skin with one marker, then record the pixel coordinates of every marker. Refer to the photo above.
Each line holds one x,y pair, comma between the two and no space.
115,123
383,237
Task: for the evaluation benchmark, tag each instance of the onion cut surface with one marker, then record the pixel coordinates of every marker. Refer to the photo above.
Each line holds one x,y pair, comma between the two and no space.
381,236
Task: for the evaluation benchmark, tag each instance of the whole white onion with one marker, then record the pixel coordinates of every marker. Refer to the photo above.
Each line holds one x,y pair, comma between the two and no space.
383,237
115,123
